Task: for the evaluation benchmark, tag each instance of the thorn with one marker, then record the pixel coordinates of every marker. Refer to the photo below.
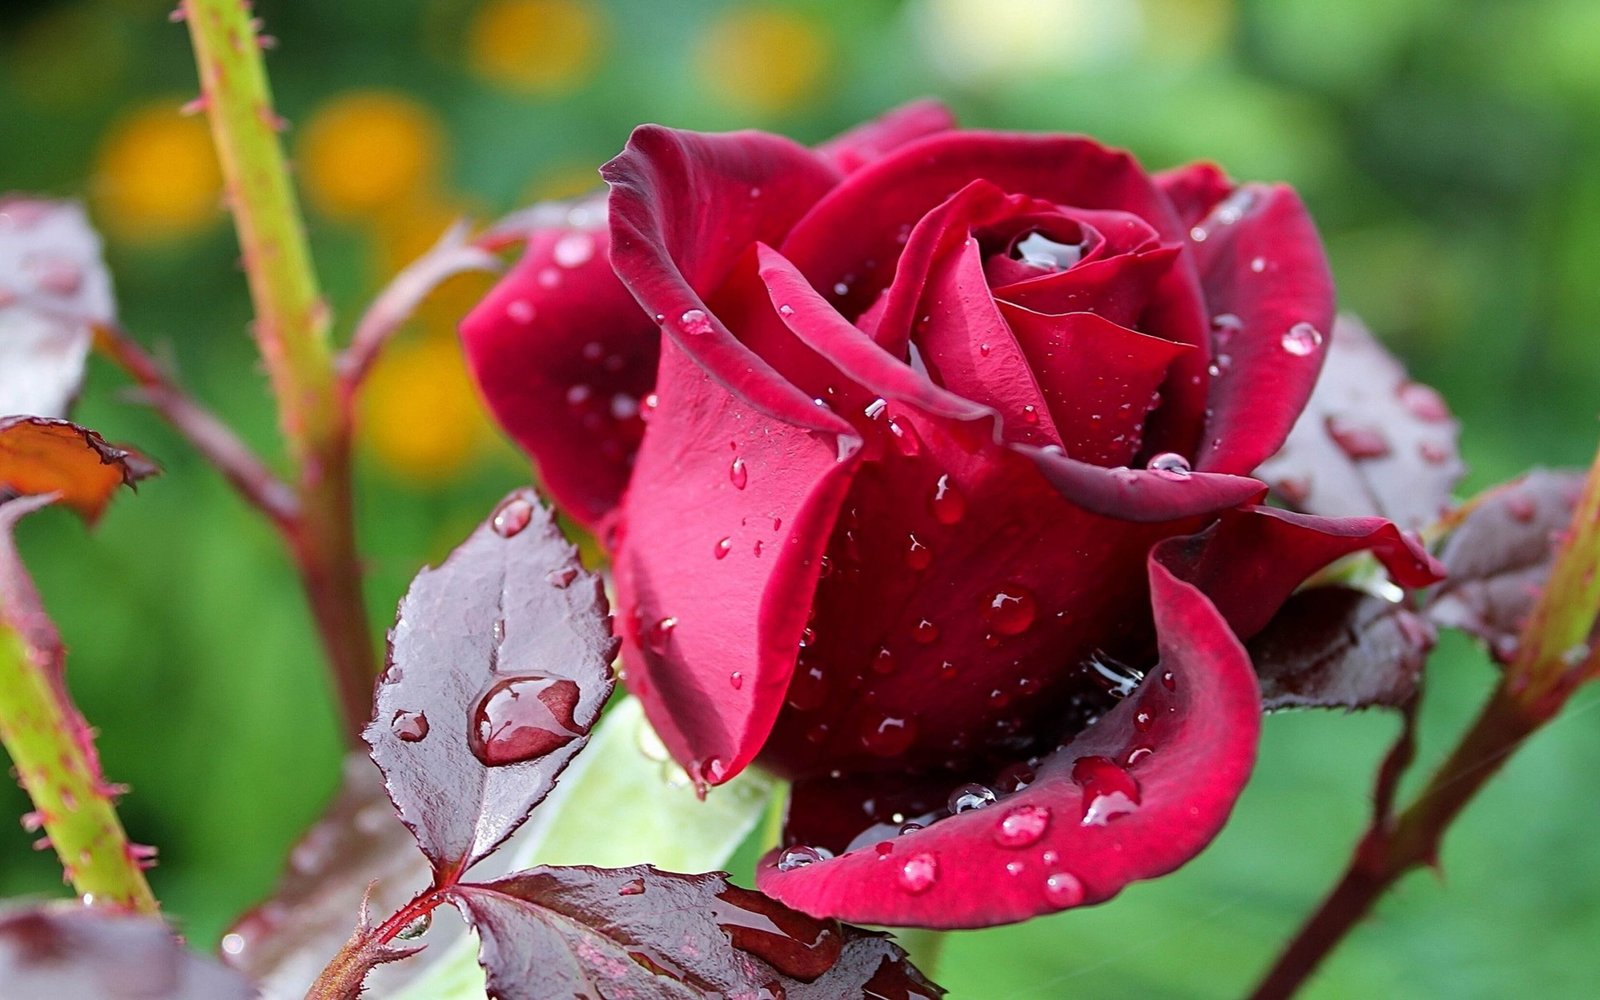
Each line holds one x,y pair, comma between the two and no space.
179,14
267,42
272,120
42,844
195,107
33,821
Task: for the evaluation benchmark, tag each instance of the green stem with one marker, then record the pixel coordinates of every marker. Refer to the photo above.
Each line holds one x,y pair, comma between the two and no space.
291,331
55,761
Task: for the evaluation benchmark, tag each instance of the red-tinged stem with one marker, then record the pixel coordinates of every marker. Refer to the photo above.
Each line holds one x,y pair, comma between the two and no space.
214,440
345,976
291,332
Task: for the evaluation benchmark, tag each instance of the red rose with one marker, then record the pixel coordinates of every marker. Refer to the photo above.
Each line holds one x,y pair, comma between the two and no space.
934,497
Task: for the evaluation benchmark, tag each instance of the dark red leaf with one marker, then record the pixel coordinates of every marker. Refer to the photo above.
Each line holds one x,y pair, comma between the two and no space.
58,952
1337,647
1500,556
640,932
357,852
1370,441
499,663
40,455
54,287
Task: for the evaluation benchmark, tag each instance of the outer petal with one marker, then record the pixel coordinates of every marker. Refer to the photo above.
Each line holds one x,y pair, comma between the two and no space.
1194,189
1133,797
872,140
563,355
1268,288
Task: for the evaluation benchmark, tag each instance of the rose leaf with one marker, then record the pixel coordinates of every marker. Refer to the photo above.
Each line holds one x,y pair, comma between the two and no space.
41,455
1370,440
643,932
499,663
54,287
74,951
1338,647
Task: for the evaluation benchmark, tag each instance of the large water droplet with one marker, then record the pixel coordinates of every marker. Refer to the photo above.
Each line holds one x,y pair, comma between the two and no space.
1062,890
947,503
925,631
906,439
1022,826
1302,340
1014,777
918,873
918,555
722,548
416,928
887,735
522,718
695,321
511,517
801,855
661,633
411,727
1169,465
969,797
1108,790
1045,253
1009,610
738,474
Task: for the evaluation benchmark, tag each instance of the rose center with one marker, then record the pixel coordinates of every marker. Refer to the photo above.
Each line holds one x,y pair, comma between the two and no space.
1038,250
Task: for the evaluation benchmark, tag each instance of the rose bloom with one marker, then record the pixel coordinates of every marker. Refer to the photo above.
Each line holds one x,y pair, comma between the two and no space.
923,459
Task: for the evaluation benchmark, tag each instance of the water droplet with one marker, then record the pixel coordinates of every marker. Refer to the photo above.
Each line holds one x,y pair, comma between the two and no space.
906,440
1030,415
573,249
984,349
786,310
736,680
1022,826
875,409
1108,790
883,663
925,631
632,887
887,735
411,727
1137,754
918,873
969,797
1142,721
520,311
947,503
647,407
1038,250
841,289
523,718
561,578
1258,264
1357,440
1302,340
695,322
660,633
918,556
1169,465
511,517
808,691
1063,890
416,928
1014,777
1168,681
722,548
738,475
1009,610
1224,326
801,855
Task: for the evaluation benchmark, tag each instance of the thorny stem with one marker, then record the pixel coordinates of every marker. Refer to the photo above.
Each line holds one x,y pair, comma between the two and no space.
345,975
1554,658
52,748
291,331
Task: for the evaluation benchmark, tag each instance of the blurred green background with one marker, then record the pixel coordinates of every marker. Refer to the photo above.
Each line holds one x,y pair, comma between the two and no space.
1449,148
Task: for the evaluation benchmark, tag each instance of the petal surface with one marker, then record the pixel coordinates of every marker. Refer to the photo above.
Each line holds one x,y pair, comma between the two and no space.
852,150
1132,797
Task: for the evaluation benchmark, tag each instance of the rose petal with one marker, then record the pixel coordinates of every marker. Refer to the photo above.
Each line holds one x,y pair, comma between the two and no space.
1253,558
1118,289
1264,272
852,150
1190,731
563,355
1194,189
1099,379
714,604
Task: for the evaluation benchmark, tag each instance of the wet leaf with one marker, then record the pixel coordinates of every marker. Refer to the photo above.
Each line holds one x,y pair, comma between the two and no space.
358,850
1500,556
1370,441
40,455
1338,647
596,932
57,952
54,287
499,663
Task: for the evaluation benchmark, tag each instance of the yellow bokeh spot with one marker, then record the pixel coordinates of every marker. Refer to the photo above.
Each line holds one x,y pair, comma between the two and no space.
363,151
422,418
534,46
156,175
1194,30
763,58
410,230
565,180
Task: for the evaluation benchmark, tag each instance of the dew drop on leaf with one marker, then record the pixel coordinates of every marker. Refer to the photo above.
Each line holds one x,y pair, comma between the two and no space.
523,718
411,727
512,517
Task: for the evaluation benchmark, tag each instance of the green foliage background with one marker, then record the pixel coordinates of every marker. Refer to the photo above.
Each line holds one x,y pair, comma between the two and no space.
1449,148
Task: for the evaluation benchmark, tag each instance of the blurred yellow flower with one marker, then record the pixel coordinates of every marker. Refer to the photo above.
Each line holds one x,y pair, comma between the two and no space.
534,46
763,58
406,233
156,175
422,420
364,151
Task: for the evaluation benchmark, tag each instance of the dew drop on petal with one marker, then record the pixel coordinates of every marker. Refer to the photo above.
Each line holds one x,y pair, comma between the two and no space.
906,439
1170,465
801,855
1014,777
918,555
722,548
695,321
1062,890
520,311
947,503
573,249
1009,610
887,735
1108,790
1302,340
738,474
918,873
1022,826
660,633
925,631
736,680
970,796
